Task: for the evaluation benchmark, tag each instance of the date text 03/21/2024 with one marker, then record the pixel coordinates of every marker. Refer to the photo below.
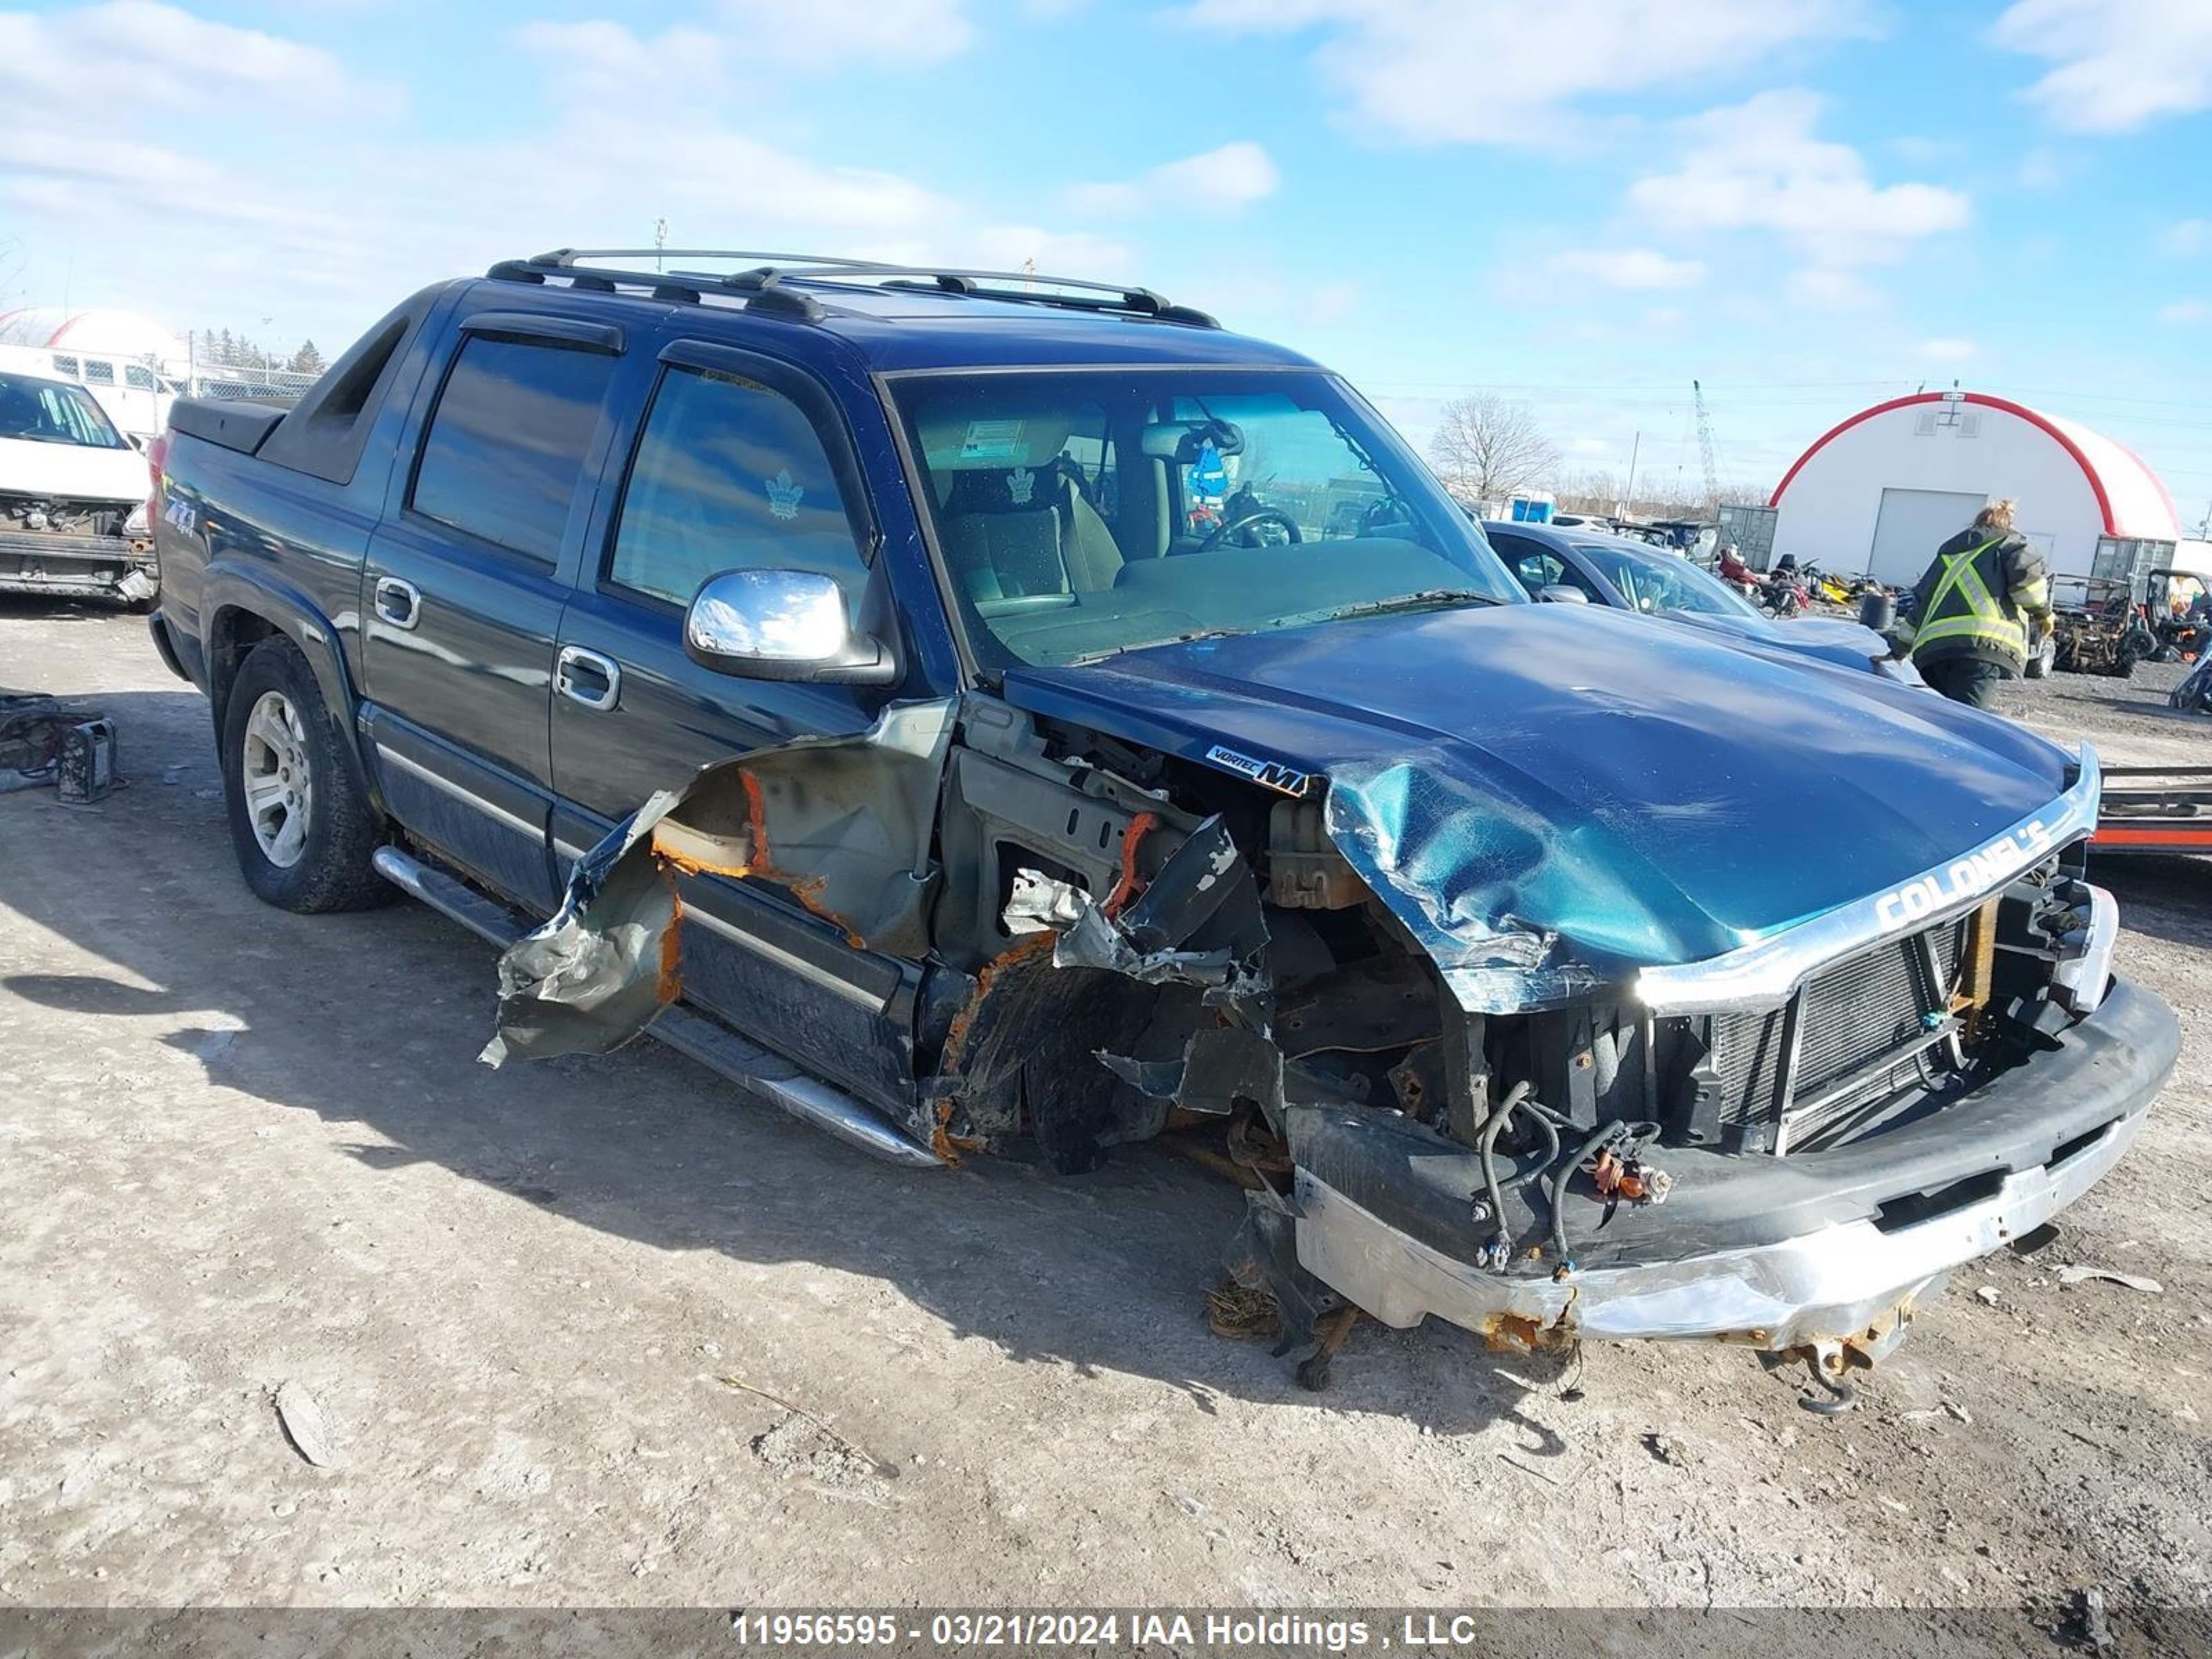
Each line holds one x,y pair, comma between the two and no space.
1227,1631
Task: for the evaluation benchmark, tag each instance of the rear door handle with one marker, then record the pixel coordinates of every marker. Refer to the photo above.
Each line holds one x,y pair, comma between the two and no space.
587,677
399,603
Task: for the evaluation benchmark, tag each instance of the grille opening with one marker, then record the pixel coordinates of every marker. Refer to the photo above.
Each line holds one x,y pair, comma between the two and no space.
1915,1207
1851,1017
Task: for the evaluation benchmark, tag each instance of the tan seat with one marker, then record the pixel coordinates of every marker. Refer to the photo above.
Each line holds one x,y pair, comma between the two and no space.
1013,523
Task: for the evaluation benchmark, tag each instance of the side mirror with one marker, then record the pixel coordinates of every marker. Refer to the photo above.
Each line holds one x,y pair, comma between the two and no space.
781,625
1561,594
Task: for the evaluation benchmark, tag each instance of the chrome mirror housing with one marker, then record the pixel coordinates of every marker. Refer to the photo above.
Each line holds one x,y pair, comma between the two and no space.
781,625
1561,594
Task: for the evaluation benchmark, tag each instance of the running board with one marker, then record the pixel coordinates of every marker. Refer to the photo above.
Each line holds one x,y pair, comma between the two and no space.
765,1075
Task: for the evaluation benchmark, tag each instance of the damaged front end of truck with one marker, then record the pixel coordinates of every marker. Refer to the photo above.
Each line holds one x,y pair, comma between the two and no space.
1472,1056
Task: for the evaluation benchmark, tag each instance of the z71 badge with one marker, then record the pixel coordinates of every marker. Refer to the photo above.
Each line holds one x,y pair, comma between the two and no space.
1272,774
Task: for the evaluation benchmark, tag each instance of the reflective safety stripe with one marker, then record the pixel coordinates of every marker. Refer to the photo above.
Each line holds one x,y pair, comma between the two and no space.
2033,595
1984,618
2009,634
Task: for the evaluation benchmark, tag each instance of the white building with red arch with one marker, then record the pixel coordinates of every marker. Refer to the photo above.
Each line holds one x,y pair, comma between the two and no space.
1879,492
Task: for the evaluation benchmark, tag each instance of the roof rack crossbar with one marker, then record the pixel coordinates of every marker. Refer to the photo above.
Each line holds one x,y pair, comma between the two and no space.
767,271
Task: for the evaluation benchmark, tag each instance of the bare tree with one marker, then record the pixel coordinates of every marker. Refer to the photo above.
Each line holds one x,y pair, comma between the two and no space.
1590,491
1486,447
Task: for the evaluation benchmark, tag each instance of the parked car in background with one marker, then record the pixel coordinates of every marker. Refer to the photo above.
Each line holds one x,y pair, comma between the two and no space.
1626,574
72,496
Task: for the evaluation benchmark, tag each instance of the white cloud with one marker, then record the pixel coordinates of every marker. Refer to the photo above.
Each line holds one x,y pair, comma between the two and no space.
835,33
604,60
329,226
1759,167
144,54
1503,71
1944,350
2184,313
1630,269
2120,63
1224,179
2188,238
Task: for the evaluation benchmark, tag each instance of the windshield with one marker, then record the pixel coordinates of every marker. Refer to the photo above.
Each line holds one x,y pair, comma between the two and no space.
49,412
1664,583
1095,511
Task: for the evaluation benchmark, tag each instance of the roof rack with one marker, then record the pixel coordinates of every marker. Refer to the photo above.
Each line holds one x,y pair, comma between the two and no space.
764,283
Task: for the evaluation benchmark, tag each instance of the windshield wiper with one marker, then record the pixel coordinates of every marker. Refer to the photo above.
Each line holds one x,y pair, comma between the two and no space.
1423,601
1164,639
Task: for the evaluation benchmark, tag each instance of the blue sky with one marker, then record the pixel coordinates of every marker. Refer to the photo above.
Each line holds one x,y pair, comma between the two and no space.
1809,204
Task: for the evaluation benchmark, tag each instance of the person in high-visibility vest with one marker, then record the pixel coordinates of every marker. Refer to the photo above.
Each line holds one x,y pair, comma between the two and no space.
1970,628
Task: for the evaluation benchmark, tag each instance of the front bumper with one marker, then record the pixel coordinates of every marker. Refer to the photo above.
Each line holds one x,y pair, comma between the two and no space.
77,566
1776,1253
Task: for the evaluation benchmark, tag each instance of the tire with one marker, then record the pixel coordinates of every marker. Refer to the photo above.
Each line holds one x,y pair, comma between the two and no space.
301,827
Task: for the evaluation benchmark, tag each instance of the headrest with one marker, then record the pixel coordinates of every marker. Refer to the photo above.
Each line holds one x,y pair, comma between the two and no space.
1003,489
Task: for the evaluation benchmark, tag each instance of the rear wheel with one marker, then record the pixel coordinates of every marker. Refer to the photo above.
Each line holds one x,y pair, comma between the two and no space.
302,828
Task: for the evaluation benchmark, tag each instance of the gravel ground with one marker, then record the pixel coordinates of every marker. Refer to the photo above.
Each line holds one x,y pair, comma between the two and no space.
597,1332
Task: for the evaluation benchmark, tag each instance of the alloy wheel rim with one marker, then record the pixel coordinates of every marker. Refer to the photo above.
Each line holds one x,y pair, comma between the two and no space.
278,784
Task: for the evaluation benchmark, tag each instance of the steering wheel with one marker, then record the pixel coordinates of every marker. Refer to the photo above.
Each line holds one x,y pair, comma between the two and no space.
1238,526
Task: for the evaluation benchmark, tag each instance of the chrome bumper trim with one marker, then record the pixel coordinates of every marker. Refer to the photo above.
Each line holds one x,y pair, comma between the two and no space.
1828,1285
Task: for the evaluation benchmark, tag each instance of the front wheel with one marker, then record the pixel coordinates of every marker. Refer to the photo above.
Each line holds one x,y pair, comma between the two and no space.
301,827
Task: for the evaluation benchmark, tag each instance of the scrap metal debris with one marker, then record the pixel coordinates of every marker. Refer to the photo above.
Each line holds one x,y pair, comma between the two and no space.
306,1425
2096,1628
38,738
1040,904
2082,1272
1150,938
844,823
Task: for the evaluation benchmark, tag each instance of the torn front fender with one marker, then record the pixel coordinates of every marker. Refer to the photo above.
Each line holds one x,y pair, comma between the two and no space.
845,824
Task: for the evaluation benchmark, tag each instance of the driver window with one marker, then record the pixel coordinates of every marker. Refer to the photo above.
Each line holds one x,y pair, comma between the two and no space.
729,474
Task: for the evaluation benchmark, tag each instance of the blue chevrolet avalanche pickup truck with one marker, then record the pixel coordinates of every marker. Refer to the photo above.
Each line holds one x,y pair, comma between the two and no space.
959,707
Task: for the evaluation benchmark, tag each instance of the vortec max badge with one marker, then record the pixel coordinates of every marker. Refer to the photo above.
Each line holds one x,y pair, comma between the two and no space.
1273,774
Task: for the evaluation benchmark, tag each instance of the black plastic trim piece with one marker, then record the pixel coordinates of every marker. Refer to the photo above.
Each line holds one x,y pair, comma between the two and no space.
537,328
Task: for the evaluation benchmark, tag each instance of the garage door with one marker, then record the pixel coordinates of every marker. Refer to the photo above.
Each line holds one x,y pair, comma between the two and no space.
1912,525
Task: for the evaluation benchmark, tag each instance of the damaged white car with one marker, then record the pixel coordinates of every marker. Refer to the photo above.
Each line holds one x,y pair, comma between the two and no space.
73,497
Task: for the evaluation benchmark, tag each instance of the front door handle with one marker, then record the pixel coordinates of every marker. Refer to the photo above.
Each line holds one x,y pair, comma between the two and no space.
399,603
587,677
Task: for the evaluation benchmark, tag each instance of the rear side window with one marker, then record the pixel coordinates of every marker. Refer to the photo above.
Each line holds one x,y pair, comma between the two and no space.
730,474
506,442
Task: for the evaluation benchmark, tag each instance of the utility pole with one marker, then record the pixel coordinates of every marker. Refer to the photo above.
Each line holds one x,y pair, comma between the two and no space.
1628,503
659,242
1705,449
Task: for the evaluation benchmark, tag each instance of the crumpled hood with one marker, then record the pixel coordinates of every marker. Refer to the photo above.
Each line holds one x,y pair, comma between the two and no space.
1562,792
72,472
